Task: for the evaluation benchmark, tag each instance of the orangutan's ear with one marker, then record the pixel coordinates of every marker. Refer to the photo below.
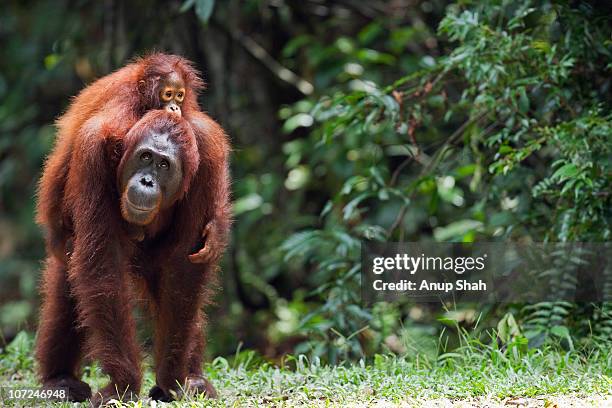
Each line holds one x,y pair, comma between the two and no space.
142,86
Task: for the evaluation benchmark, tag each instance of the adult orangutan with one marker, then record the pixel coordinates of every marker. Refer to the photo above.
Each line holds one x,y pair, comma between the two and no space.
132,209
115,102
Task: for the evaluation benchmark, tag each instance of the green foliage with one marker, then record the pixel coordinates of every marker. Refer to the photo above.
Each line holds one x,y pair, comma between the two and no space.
17,356
505,137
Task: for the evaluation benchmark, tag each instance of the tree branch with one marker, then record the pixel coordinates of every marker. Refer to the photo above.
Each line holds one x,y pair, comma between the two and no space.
269,62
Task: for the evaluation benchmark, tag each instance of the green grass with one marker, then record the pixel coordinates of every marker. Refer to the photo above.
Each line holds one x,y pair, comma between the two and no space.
474,373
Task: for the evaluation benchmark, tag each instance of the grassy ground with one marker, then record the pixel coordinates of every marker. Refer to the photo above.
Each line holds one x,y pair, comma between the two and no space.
472,376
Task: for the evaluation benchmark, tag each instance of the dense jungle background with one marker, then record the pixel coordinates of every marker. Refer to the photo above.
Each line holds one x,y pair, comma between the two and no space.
398,120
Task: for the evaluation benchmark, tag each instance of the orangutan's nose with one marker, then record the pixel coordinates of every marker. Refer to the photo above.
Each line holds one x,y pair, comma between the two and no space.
173,108
147,181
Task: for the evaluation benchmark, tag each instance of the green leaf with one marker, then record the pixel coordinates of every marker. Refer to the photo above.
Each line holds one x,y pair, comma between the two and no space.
564,172
295,44
507,328
523,102
247,203
299,120
560,331
456,229
350,208
370,32
328,207
51,61
204,9
186,6
447,356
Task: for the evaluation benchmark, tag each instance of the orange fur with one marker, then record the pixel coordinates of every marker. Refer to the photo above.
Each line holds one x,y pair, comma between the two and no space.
92,255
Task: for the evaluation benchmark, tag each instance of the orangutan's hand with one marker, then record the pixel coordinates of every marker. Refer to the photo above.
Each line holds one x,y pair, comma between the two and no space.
211,250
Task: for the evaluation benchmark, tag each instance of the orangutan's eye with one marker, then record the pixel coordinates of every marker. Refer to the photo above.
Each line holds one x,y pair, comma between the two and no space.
146,156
